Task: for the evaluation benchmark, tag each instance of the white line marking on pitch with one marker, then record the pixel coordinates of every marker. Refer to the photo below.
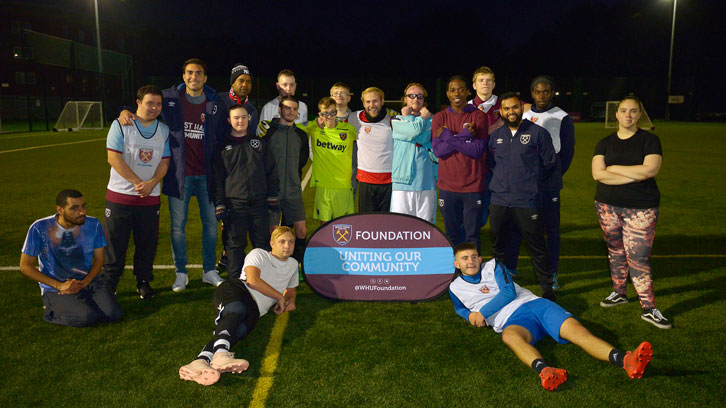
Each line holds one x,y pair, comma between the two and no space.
50,145
307,177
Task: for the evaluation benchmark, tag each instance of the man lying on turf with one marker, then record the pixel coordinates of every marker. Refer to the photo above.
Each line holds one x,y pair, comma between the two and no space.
268,281
487,296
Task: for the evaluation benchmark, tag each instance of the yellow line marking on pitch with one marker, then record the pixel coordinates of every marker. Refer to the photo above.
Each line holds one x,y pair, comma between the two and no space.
51,145
272,353
269,363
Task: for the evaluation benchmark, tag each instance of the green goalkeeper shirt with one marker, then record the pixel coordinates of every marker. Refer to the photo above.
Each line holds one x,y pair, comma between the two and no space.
332,154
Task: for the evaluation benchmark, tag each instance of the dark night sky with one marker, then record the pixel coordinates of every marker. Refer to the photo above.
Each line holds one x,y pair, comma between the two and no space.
383,38
608,46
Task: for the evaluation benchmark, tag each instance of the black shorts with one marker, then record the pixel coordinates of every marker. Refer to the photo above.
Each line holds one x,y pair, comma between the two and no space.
234,290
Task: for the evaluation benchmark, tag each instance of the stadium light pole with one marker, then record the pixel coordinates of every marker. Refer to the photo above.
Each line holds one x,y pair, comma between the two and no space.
670,63
100,61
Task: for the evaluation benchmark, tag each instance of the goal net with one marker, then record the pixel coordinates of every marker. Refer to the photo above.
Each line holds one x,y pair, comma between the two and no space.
611,122
77,115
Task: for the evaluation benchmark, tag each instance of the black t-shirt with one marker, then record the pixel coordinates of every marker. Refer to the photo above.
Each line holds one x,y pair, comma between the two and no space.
629,152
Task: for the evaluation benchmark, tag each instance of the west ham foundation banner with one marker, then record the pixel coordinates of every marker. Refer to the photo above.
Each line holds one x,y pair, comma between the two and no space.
384,256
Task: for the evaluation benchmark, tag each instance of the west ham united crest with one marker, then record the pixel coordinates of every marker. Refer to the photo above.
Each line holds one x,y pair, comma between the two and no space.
342,233
203,117
145,155
524,139
367,129
343,136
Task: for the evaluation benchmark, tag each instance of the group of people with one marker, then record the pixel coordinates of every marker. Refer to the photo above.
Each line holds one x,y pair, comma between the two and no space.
489,158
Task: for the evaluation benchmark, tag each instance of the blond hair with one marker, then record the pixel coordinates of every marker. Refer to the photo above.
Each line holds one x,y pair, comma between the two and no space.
412,84
379,91
482,71
279,231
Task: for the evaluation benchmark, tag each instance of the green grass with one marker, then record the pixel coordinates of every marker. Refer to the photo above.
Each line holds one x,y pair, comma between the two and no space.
376,354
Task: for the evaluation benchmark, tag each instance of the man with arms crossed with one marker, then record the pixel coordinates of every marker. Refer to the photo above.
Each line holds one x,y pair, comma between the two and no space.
459,137
268,281
64,253
487,296
139,157
375,153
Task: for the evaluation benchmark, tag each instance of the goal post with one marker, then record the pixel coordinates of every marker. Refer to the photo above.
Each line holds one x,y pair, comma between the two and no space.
611,122
80,115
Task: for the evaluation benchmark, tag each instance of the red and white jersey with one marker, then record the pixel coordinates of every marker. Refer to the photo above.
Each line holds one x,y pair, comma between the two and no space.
375,143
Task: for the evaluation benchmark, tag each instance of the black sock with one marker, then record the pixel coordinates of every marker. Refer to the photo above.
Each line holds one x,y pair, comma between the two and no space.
616,357
299,251
538,365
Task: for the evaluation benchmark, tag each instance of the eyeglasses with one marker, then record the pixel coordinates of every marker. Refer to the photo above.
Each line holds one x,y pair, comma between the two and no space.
244,117
327,115
415,96
340,93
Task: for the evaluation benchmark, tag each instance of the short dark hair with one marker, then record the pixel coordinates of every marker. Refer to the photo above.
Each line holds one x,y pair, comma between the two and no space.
542,79
62,198
196,61
236,107
288,98
509,95
455,78
147,90
464,246
326,102
633,98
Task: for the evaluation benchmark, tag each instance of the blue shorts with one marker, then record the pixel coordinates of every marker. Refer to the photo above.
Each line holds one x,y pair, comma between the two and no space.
540,317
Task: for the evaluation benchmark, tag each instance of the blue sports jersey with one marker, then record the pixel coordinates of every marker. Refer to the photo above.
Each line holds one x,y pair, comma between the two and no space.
63,253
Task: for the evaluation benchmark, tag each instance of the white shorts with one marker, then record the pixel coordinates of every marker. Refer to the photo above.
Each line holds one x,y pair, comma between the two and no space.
421,204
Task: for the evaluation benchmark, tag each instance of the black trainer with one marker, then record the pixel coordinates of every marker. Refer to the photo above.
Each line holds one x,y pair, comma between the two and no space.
614,299
654,317
145,292
222,265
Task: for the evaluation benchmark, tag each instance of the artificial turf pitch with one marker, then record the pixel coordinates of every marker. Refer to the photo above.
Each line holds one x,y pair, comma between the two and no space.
376,354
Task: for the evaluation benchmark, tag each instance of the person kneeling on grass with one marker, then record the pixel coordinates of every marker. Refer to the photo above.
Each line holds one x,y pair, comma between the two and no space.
268,281
487,296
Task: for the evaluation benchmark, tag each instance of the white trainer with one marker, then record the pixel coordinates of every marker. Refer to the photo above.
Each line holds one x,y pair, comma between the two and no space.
199,371
224,362
212,278
181,282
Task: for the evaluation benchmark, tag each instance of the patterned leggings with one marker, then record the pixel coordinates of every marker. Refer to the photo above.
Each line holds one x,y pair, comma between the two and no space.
629,236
